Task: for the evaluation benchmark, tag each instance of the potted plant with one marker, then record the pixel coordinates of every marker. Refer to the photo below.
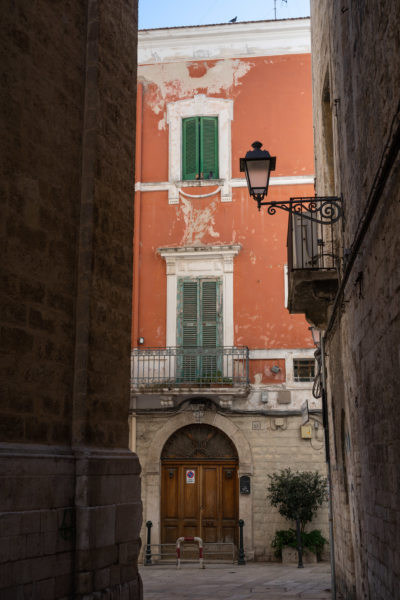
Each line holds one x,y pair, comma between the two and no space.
298,495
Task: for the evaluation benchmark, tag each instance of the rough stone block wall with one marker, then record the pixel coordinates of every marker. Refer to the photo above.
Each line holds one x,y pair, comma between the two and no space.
36,524
107,215
359,48
42,112
55,99
70,504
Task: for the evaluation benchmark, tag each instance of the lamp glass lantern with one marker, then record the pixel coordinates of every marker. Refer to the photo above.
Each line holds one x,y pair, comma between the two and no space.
257,166
316,335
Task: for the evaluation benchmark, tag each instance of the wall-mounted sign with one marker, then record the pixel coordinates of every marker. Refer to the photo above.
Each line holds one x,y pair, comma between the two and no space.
190,476
244,484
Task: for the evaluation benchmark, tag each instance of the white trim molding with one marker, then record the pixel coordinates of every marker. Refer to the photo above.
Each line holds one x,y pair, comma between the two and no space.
203,261
164,186
199,106
286,180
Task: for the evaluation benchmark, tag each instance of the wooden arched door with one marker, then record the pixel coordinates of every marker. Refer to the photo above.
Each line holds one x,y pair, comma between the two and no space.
199,489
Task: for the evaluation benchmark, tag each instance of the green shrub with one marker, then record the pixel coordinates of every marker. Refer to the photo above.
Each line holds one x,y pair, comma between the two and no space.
297,495
313,541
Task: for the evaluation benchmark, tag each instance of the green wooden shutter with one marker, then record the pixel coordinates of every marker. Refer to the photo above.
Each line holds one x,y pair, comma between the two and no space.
190,314
209,314
209,146
210,325
199,330
190,148
190,326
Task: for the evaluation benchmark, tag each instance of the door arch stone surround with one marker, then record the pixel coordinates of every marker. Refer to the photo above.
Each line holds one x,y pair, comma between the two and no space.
151,469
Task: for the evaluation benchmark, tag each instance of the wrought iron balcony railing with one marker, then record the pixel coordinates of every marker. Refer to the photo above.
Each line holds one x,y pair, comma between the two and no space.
190,367
311,240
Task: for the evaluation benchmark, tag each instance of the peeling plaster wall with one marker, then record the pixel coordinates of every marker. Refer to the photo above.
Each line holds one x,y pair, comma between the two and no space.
182,80
260,317
198,222
271,102
265,96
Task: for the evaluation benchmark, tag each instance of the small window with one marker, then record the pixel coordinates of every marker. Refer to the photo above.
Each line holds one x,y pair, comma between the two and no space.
200,148
303,369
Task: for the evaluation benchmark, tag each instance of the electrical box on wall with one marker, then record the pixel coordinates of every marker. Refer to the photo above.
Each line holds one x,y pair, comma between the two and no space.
306,432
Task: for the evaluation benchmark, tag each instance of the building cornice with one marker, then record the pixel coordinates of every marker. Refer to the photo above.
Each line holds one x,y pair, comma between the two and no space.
231,40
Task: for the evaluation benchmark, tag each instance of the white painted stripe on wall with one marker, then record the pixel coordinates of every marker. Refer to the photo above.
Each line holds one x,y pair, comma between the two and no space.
264,353
235,183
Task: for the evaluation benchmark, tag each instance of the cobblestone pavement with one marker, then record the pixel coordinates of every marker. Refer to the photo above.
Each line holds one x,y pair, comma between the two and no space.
254,581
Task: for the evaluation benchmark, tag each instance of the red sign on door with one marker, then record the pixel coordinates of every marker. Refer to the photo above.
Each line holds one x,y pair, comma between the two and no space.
190,476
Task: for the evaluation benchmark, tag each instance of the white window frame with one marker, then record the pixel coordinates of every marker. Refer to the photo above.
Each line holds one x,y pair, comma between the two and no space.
211,261
199,106
300,359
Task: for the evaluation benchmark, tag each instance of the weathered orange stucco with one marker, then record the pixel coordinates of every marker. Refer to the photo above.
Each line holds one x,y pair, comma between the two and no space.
272,103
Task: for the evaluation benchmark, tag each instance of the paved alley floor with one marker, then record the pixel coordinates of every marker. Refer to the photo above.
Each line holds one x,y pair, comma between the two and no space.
254,581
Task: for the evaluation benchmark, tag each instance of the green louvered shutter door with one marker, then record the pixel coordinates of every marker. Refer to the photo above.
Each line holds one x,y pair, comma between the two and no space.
210,323
209,147
190,329
190,148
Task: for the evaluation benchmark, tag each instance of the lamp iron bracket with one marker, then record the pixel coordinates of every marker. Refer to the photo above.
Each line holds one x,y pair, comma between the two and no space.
325,210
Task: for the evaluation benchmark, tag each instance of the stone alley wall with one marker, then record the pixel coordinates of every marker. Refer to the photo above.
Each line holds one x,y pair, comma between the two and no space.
70,508
356,70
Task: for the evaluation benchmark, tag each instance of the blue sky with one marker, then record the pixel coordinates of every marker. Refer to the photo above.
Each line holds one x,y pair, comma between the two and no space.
176,13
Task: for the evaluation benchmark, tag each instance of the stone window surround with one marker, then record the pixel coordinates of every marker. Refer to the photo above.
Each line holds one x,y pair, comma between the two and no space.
200,106
207,261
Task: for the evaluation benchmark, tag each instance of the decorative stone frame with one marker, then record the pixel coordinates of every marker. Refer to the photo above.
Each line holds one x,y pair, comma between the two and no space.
200,106
207,261
151,465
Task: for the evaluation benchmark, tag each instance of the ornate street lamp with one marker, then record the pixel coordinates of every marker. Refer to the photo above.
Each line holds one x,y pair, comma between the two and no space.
316,335
257,165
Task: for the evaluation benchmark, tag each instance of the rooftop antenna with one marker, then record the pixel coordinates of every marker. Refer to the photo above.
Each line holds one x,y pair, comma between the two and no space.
275,6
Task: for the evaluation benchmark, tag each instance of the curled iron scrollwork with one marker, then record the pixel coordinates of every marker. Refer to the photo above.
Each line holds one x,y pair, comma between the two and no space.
324,210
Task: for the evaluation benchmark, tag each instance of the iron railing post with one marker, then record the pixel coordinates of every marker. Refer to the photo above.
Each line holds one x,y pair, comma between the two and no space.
147,561
241,557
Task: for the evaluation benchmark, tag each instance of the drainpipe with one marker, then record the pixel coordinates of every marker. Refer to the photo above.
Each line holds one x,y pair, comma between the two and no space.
136,246
328,462
137,207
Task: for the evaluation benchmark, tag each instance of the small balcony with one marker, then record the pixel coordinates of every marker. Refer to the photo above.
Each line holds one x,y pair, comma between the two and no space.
313,257
163,369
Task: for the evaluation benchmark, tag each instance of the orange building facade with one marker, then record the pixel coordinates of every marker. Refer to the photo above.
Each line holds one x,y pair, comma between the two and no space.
221,372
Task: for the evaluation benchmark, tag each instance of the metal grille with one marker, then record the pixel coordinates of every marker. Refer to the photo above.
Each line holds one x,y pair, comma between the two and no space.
169,367
311,239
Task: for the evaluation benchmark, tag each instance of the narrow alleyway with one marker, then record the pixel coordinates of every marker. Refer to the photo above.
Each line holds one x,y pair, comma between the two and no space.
257,581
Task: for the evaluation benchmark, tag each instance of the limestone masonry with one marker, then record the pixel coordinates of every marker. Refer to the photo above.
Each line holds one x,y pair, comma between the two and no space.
70,508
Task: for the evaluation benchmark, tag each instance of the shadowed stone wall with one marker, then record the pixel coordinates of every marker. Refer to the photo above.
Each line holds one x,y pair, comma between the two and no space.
356,72
70,489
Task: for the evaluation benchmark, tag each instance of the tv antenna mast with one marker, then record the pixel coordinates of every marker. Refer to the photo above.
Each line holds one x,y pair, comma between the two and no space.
275,6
